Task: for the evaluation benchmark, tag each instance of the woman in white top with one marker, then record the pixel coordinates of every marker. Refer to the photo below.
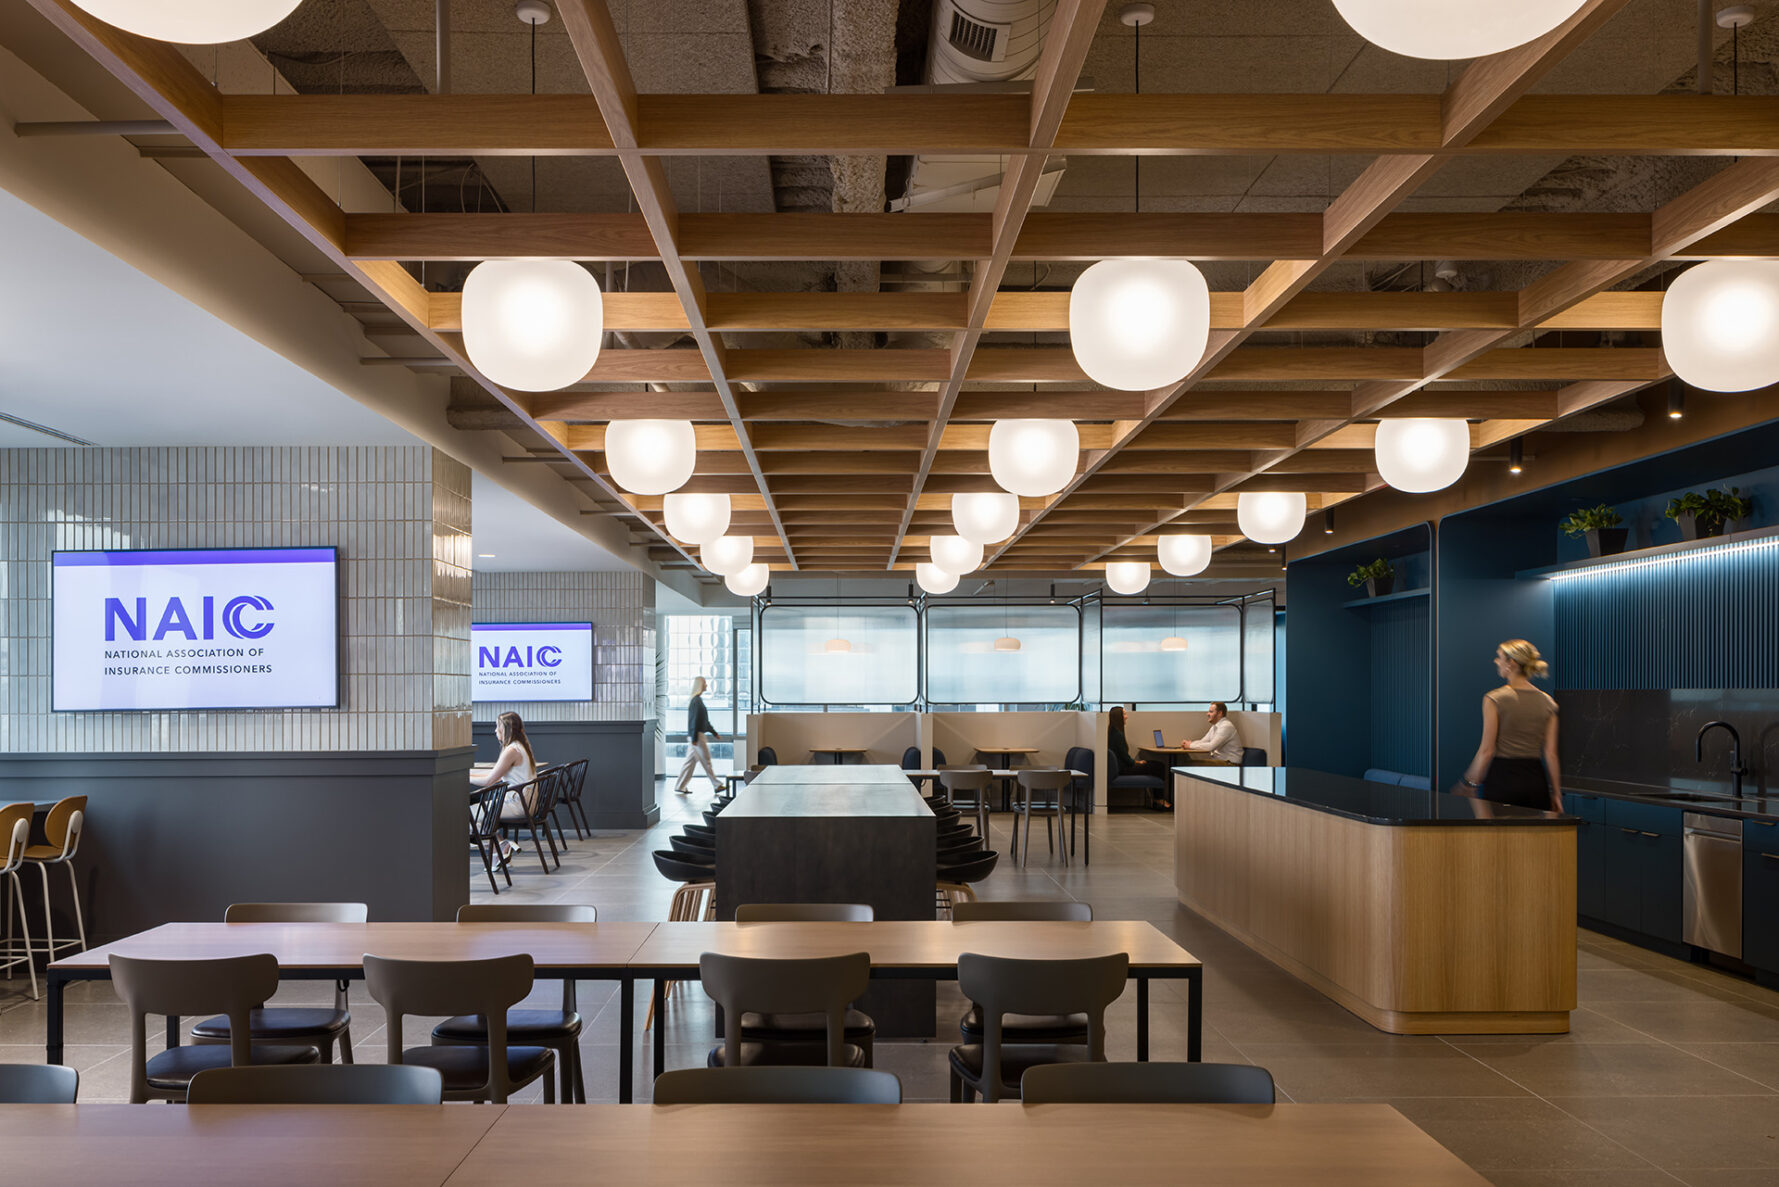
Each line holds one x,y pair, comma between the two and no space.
516,767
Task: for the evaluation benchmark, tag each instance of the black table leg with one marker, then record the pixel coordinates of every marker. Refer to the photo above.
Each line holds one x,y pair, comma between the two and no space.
53,1049
1142,1019
626,1041
172,1030
660,1028
1195,1016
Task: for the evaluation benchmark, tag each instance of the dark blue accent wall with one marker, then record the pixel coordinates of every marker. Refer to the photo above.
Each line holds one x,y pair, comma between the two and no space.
1707,619
1401,709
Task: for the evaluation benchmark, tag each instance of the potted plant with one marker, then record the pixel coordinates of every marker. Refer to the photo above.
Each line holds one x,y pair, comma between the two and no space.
1702,516
1600,526
1378,577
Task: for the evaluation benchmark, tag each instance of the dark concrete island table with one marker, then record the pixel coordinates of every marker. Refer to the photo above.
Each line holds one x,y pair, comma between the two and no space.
859,834
1421,912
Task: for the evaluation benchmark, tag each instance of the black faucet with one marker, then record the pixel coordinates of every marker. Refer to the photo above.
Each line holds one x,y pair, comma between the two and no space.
1737,770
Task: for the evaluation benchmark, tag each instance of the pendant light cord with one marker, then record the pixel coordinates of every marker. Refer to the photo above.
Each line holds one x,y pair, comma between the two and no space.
534,95
1136,159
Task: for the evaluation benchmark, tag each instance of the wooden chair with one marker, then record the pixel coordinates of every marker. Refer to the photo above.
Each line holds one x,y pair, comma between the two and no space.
15,835
574,781
777,1086
318,1027
533,799
824,985
1002,986
1147,1083
233,986
559,1030
323,1084
62,830
490,988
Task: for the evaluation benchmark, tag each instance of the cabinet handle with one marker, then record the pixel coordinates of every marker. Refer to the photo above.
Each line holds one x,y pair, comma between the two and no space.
1629,832
1772,857
1652,834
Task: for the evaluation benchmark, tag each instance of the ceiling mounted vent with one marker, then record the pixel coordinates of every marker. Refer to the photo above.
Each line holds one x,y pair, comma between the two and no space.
974,39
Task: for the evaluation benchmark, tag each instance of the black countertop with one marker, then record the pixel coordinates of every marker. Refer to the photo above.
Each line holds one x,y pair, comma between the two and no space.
1373,803
1691,795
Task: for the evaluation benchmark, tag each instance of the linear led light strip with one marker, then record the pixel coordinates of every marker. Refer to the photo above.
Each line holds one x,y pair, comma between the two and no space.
1678,558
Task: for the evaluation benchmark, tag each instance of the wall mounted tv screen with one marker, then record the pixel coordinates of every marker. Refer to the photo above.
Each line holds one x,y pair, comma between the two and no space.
531,661
224,628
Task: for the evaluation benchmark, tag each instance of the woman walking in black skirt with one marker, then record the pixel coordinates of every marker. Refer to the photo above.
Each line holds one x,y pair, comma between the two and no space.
1517,760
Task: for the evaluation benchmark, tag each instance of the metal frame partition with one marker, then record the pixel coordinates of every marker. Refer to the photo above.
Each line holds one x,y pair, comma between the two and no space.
1245,605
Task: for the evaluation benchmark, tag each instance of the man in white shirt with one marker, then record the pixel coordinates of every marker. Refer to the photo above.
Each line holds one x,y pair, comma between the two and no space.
1220,743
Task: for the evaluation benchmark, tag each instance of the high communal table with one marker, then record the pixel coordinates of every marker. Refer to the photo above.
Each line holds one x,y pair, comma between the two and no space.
1334,1145
928,950
632,952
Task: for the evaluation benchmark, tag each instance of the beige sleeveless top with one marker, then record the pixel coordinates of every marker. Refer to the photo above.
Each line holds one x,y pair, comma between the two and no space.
1524,717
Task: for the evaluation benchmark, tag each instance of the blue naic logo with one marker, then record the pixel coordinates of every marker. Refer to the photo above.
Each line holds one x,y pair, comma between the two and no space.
547,656
176,619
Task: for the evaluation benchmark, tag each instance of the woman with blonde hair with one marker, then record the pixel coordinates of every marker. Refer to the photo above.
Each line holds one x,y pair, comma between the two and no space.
698,735
1517,760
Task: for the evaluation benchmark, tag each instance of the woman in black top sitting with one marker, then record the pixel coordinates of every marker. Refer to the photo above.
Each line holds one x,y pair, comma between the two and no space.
698,735
1122,763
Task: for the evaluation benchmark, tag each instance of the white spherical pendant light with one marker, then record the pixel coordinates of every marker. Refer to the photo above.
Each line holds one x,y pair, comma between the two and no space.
727,555
191,22
1033,458
1720,325
534,325
933,579
1137,325
650,457
1128,577
696,519
1271,517
1184,556
1422,453
985,517
745,583
1446,30
955,554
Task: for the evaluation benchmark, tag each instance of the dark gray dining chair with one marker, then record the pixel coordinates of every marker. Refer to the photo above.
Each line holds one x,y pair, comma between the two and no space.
322,1084
807,1030
825,986
1025,1028
559,1030
967,787
233,986
1002,986
1041,793
447,987
319,1027
1147,1083
38,1084
777,1086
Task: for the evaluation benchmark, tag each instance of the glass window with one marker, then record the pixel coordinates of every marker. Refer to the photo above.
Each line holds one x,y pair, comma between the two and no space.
1137,669
700,645
802,663
964,666
1258,641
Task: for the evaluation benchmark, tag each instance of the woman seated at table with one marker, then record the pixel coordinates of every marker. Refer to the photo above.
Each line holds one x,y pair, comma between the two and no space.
1123,764
516,767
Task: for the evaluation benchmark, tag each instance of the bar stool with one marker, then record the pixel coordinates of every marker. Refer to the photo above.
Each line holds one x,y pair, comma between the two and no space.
62,828
696,899
15,832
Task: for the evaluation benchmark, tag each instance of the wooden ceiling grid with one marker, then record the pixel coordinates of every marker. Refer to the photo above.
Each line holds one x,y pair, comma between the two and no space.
830,468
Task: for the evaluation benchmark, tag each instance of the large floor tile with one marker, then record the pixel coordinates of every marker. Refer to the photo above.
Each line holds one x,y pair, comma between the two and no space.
1611,1069
1372,1070
1697,1132
1517,1134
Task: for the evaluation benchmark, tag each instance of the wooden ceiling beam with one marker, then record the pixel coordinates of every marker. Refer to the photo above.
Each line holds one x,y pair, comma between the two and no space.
988,124
596,43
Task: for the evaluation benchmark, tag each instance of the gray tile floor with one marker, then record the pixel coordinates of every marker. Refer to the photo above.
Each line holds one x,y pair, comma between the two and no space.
1670,1074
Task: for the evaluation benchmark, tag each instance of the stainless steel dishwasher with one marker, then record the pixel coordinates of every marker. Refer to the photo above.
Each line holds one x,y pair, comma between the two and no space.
1713,895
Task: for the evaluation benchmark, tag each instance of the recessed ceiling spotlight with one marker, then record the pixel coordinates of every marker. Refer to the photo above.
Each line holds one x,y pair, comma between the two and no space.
1516,457
1676,399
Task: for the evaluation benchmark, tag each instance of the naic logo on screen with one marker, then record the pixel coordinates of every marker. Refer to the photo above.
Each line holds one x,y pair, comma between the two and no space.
547,656
197,622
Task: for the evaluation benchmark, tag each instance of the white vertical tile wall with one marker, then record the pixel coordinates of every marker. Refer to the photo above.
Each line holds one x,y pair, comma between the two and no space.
398,514
620,605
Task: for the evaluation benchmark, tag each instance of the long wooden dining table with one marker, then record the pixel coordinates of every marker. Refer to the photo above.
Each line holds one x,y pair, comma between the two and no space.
1333,1145
631,952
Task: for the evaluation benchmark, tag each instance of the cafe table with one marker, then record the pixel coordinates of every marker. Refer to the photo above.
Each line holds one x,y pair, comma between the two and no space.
1006,754
928,949
837,755
336,951
1331,1145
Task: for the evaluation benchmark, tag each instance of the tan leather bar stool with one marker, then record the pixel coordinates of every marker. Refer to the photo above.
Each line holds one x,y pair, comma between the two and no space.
62,828
15,832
